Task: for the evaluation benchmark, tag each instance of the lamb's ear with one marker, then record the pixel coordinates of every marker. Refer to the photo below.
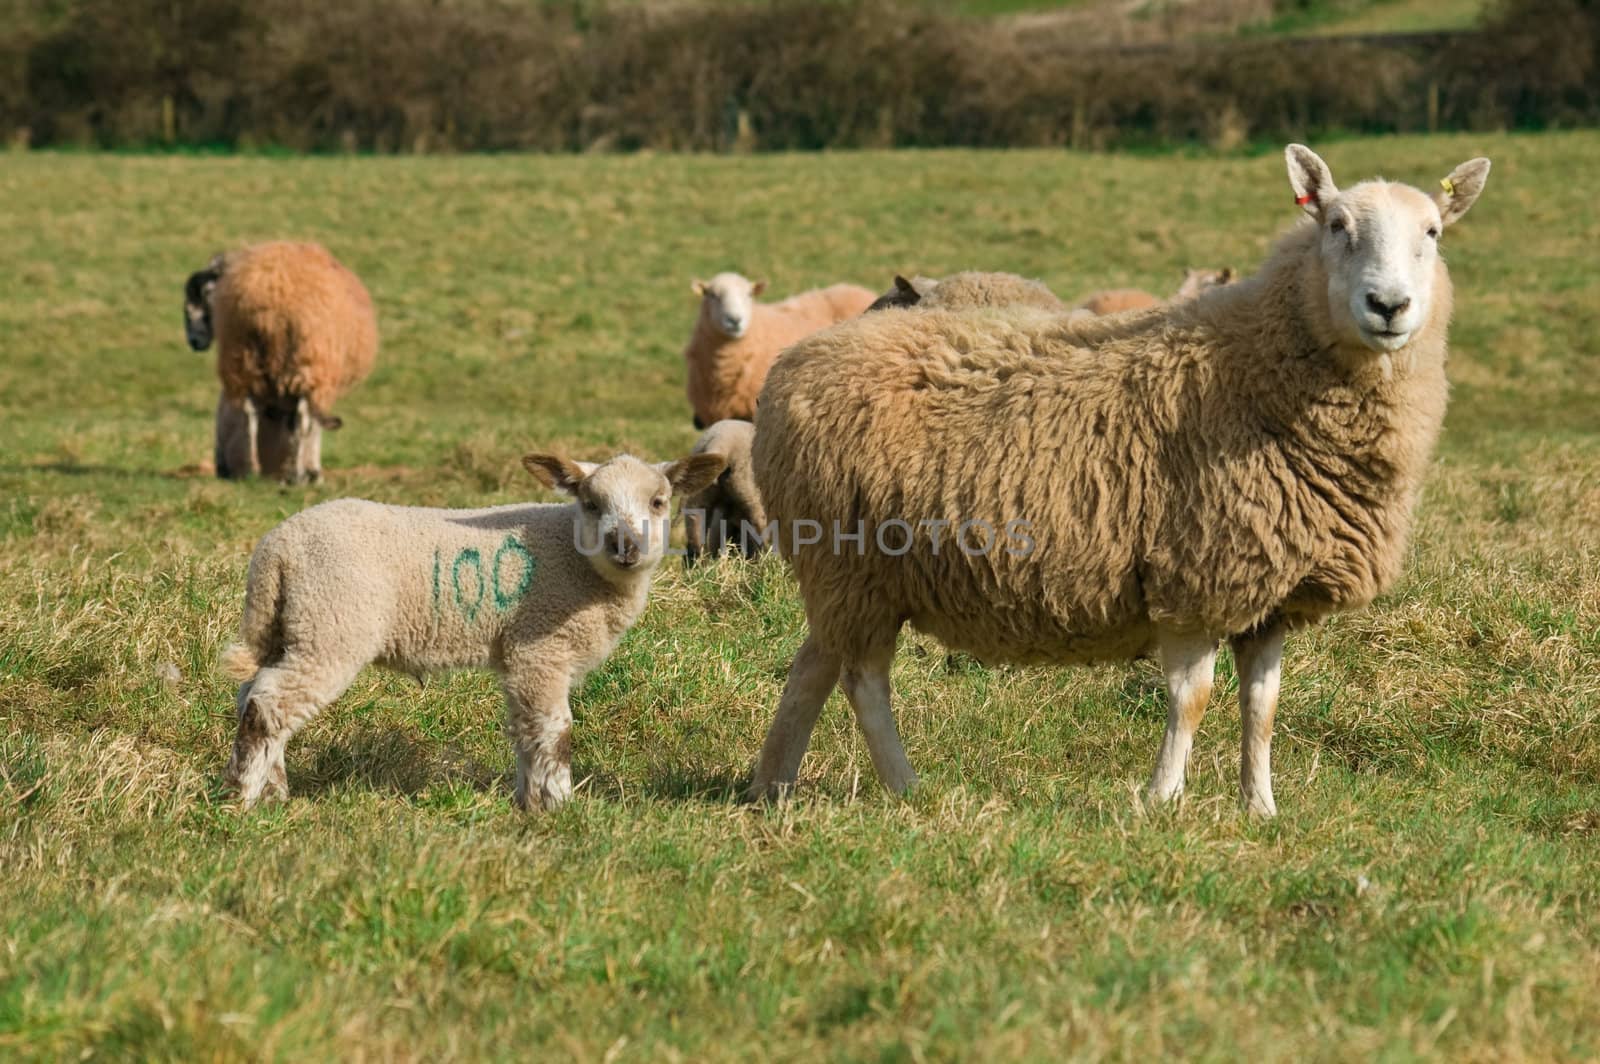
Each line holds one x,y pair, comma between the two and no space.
1459,191
1227,275
554,471
689,475
759,287
1311,180
698,287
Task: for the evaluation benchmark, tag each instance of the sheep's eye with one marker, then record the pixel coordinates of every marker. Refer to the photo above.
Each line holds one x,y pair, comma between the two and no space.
590,506
1433,232
658,505
1336,226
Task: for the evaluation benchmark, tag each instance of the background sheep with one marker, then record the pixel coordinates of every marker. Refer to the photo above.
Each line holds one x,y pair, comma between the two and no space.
1222,468
539,593
735,339
968,290
1118,300
295,330
715,518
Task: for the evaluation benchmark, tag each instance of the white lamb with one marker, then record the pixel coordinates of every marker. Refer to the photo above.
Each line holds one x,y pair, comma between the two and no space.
538,593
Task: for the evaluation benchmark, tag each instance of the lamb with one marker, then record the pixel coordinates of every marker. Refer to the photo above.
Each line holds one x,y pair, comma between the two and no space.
538,593
966,291
1227,468
1120,300
295,331
728,513
736,339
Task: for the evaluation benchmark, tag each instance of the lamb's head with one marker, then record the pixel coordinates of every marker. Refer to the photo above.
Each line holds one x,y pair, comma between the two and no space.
905,293
197,291
728,301
624,512
1379,245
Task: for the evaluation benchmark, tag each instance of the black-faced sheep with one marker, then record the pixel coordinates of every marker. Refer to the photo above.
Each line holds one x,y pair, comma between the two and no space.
727,514
967,291
1225,468
295,330
538,593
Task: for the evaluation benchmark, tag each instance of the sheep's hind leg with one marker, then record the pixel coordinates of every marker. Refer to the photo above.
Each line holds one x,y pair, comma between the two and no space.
1258,657
278,702
866,684
1189,662
539,725
811,679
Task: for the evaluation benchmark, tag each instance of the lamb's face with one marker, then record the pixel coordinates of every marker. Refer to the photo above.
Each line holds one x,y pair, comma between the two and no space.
624,510
728,301
1379,246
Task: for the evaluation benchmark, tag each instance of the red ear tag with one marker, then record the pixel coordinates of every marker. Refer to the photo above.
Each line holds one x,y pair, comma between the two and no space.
1301,201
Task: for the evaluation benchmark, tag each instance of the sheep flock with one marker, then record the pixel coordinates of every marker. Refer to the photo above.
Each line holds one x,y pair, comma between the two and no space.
1024,479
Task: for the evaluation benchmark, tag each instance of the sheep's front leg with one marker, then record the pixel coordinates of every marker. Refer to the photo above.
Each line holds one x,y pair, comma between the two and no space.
1259,659
1189,662
539,724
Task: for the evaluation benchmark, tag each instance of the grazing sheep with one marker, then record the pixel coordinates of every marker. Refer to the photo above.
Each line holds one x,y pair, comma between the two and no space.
736,339
1121,300
295,330
538,593
970,290
1225,468
728,510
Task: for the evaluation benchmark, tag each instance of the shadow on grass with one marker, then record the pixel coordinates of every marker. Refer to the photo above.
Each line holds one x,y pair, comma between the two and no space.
676,783
199,471
392,761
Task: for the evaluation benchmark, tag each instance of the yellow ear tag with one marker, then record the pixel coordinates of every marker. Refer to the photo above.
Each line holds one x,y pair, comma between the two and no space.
1448,185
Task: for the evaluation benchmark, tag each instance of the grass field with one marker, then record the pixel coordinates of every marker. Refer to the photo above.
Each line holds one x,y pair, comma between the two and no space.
1431,888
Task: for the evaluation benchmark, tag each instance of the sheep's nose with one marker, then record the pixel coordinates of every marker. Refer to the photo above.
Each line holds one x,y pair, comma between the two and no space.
1386,310
624,547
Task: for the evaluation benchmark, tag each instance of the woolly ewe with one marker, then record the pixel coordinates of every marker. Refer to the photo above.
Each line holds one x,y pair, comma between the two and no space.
1225,468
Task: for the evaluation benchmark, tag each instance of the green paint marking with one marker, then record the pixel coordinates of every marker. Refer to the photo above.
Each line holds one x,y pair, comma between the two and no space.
504,600
436,584
469,609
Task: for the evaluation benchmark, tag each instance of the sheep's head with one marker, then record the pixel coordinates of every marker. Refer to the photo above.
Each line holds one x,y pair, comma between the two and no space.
1198,281
197,291
624,510
1379,245
904,293
728,302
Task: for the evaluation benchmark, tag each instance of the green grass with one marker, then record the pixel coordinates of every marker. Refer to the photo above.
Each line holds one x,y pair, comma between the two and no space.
1431,889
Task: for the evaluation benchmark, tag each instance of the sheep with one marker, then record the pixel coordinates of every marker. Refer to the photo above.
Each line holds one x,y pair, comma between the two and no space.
1121,300
727,513
967,290
540,593
295,331
736,339
1226,468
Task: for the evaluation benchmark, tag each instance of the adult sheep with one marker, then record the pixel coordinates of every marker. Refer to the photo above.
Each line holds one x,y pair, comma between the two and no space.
736,339
968,290
1121,300
1225,468
295,331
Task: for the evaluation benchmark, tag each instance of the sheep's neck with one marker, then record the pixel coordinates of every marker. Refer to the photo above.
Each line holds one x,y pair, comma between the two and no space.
716,363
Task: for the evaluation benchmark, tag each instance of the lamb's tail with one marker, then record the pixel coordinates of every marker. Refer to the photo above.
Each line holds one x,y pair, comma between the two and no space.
260,631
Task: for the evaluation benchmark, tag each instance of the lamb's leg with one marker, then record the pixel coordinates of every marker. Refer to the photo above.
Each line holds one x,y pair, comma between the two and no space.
252,423
866,684
1189,662
811,679
539,725
1259,659
311,448
278,702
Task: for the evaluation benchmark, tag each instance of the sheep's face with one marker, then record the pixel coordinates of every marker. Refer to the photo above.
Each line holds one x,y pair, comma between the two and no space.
728,302
624,513
1379,246
197,292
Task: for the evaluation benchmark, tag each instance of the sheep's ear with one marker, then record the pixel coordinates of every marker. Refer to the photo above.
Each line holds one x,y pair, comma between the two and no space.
1458,192
691,474
1226,275
759,287
554,471
698,287
1311,180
